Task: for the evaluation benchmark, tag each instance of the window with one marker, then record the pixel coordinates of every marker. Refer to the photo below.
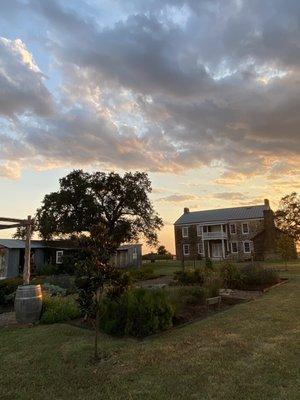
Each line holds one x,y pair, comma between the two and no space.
185,231
234,247
199,230
205,229
200,248
59,257
247,247
245,228
186,249
232,229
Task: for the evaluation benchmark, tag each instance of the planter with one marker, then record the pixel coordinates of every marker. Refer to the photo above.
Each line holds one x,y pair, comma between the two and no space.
28,304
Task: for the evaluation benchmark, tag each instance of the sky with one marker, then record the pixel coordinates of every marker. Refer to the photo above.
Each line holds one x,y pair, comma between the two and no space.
203,95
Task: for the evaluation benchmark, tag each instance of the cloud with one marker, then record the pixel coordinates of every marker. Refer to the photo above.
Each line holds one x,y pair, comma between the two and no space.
10,170
21,82
178,198
160,90
230,196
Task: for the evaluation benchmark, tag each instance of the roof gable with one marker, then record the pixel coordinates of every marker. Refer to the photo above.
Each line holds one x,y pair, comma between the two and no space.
222,215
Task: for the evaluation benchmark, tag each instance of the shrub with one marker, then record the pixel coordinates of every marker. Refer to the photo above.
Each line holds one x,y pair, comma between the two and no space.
190,277
48,269
138,313
142,274
59,309
231,275
182,296
64,281
256,275
54,290
208,263
8,288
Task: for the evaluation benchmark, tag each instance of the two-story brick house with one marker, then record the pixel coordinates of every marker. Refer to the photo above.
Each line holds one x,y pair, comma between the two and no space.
239,233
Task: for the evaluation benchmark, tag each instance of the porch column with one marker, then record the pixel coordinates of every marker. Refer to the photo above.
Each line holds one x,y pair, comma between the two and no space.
223,245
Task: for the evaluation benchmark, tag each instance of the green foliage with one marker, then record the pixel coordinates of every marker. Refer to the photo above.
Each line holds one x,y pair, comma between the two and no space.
182,296
231,275
92,276
54,290
256,275
190,277
287,217
64,281
59,309
251,276
208,263
120,204
48,269
286,247
143,273
138,313
8,288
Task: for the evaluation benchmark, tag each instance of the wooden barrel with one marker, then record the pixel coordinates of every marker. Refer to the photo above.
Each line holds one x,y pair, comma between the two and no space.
28,304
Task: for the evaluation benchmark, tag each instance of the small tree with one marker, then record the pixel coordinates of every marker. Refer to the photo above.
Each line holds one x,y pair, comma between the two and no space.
286,248
162,251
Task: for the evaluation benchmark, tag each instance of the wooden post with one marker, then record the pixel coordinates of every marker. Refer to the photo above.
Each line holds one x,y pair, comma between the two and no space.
26,272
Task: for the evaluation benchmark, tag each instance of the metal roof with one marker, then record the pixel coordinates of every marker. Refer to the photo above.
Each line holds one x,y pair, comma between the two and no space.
222,215
20,244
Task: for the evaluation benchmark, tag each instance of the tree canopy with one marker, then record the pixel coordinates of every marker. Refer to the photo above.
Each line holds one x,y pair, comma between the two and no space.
287,217
118,204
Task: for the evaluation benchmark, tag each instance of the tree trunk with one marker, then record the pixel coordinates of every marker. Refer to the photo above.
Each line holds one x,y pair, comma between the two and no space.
97,322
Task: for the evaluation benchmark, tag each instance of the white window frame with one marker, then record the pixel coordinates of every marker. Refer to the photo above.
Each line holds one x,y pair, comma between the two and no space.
199,230
185,229
243,232
200,245
183,249
237,247
230,230
247,252
59,256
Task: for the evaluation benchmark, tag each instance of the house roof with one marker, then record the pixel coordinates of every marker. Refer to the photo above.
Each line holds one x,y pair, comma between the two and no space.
222,215
20,244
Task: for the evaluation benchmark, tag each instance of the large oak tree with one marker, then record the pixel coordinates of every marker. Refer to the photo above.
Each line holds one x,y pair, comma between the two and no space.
120,204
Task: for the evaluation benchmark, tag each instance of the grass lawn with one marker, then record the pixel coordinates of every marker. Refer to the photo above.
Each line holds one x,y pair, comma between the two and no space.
251,351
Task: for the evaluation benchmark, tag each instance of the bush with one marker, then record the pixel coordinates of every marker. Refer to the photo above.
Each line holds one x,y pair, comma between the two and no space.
138,313
59,309
255,275
48,269
251,276
8,288
54,290
190,277
142,274
208,263
64,281
182,296
231,275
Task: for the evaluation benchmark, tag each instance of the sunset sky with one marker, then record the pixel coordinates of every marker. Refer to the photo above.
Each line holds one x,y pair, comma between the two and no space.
204,95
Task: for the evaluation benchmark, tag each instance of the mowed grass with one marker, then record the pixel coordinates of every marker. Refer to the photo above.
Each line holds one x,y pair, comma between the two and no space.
251,351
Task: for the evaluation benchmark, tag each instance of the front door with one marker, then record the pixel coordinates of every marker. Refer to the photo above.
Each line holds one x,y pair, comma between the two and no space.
216,250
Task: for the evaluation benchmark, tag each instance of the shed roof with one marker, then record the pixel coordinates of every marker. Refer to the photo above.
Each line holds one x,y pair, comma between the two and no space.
222,214
20,244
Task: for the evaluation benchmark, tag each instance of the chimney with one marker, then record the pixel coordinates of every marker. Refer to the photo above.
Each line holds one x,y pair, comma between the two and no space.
186,210
267,204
